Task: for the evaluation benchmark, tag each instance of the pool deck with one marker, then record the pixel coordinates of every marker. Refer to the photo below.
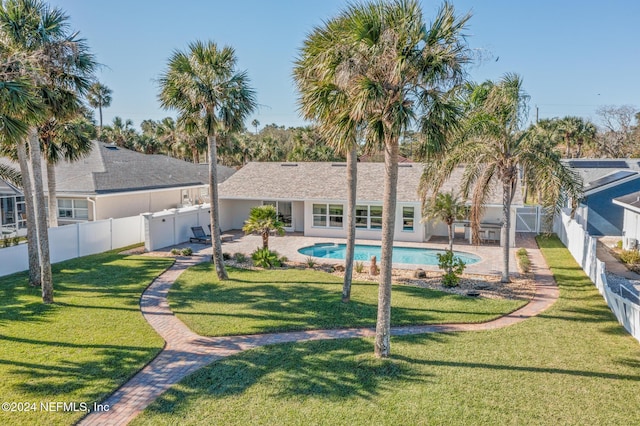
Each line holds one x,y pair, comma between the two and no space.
288,245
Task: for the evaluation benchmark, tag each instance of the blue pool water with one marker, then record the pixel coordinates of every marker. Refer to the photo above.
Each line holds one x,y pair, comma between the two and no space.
408,255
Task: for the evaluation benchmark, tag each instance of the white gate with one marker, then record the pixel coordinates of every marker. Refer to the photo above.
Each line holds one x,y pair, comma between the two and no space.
528,219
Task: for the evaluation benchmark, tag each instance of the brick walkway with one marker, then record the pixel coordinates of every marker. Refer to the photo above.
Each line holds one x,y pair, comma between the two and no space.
186,352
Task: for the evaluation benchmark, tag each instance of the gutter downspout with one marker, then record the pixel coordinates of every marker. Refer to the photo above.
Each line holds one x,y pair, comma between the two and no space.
93,202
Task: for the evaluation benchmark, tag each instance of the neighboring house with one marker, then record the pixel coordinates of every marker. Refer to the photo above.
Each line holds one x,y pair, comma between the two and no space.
604,180
311,198
631,219
114,182
12,209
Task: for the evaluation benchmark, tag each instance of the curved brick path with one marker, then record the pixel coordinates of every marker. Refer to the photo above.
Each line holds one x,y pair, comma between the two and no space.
186,352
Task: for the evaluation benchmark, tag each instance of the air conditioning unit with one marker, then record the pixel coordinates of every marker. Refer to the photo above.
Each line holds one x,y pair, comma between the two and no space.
630,243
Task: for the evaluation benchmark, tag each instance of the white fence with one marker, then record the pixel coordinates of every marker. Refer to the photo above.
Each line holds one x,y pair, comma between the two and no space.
71,241
171,227
583,248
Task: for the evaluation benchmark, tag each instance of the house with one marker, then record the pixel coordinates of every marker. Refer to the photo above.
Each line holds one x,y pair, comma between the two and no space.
604,180
631,219
311,198
12,209
114,182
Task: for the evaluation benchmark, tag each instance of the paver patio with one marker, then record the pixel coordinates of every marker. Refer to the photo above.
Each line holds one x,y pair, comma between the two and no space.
185,351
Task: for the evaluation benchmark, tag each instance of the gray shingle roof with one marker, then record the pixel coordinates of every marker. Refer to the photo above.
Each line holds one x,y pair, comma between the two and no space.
631,200
327,181
586,170
110,169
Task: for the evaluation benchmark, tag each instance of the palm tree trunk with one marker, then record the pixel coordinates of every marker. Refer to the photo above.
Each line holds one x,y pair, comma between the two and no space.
195,155
506,227
383,324
35,276
450,236
352,184
41,220
53,200
265,239
100,110
216,242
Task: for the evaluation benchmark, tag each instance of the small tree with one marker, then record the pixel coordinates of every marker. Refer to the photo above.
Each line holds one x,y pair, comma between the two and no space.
447,207
263,219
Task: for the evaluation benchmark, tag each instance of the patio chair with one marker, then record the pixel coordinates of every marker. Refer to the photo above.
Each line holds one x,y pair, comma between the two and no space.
223,237
199,236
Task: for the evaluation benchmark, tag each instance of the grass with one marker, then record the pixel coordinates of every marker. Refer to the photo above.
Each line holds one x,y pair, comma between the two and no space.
571,365
265,301
81,348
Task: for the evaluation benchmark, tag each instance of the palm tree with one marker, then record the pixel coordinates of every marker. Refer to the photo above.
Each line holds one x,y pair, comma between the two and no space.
447,207
204,81
264,220
19,108
255,123
492,149
60,69
69,141
121,132
395,71
99,96
325,99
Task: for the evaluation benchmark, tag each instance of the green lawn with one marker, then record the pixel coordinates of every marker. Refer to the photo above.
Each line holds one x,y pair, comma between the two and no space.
278,300
571,365
81,348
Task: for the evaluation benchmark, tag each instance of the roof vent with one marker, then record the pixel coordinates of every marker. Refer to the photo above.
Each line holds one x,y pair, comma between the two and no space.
289,164
405,165
338,165
112,148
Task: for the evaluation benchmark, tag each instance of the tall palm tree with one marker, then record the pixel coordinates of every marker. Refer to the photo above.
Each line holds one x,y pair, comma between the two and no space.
447,207
492,148
61,69
69,141
396,69
255,123
324,97
121,132
99,96
204,80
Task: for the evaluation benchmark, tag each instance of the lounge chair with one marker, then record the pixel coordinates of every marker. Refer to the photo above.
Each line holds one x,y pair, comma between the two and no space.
223,237
199,236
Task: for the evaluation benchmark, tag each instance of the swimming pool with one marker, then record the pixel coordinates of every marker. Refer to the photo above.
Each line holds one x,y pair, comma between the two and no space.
407,255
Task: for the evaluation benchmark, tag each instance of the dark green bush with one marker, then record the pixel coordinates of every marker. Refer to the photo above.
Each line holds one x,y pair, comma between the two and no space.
186,251
265,258
453,267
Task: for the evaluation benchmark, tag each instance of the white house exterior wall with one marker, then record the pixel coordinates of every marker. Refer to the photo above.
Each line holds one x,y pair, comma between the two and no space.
131,204
417,235
631,226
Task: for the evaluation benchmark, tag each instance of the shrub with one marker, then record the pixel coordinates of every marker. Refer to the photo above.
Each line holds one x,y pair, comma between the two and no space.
240,257
523,260
630,257
186,251
226,256
359,267
265,258
454,266
175,251
310,262
619,244
6,242
15,240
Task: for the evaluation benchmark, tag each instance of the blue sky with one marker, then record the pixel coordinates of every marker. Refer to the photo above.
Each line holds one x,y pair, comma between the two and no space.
574,55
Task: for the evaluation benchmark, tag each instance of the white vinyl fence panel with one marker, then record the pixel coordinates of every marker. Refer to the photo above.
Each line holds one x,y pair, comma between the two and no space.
171,227
583,248
81,239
